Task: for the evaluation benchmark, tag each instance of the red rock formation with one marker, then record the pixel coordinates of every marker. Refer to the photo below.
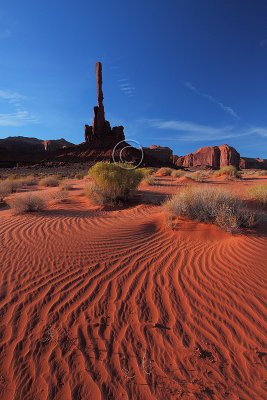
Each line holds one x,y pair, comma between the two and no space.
255,163
100,132
229,156
210,157
164,154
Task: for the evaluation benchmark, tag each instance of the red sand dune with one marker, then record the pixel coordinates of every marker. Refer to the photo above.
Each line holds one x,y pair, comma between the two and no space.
115,305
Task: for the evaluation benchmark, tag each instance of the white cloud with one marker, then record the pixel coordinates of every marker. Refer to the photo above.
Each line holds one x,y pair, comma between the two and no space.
225,108
193,132
20,116
126,87
17,119
259,131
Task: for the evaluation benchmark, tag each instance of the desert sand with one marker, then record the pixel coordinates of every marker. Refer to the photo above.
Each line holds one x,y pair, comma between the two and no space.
113,304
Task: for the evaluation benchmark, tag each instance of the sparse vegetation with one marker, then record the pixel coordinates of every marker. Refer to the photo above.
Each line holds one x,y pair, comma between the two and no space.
258,193
49,181
66,187
79,176
177,173
60,195
146,171
211,205
150,180
261,173
198,176
112,182
27,181
7,187
26,203
13,177
228,171
164,171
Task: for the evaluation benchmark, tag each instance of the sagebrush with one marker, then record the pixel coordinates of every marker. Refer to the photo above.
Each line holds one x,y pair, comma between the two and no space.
212,205
228,171
26,203
112,182
258,193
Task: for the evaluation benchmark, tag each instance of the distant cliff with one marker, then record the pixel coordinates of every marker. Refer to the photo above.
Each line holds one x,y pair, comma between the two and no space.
20,149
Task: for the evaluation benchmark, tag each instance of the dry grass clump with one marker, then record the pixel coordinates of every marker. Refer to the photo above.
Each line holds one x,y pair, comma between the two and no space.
211,205
26,203
177,173
146,171
198,176
112,183
150,180
49,181
164,172
258,193
27,181
261,173
13,177
228,171
60,196
66,187
79,176
7,187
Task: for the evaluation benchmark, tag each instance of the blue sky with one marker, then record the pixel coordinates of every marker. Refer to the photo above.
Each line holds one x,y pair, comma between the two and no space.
184,73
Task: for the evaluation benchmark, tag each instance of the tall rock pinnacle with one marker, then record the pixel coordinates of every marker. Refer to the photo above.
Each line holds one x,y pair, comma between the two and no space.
100,131
100,96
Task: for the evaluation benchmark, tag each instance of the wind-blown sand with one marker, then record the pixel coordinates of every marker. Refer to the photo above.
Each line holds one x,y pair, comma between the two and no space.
115,305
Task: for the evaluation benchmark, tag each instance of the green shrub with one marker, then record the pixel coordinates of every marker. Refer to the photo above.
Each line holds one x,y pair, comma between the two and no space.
258,193
113,182
164,171
26,203
211,205
228,171
49,181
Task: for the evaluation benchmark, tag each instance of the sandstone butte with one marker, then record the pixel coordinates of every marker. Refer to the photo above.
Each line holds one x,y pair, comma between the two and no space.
210,157
100,139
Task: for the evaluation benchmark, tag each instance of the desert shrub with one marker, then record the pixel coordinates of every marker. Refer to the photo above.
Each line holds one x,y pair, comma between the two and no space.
177,173
146,171
150,180
97,194
59,177
7,187
198,176
79,176
258,193
164,172
13,177
261,173
60,195
211,205
66,187
49,181
28,181
26,203
228,171
113,182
